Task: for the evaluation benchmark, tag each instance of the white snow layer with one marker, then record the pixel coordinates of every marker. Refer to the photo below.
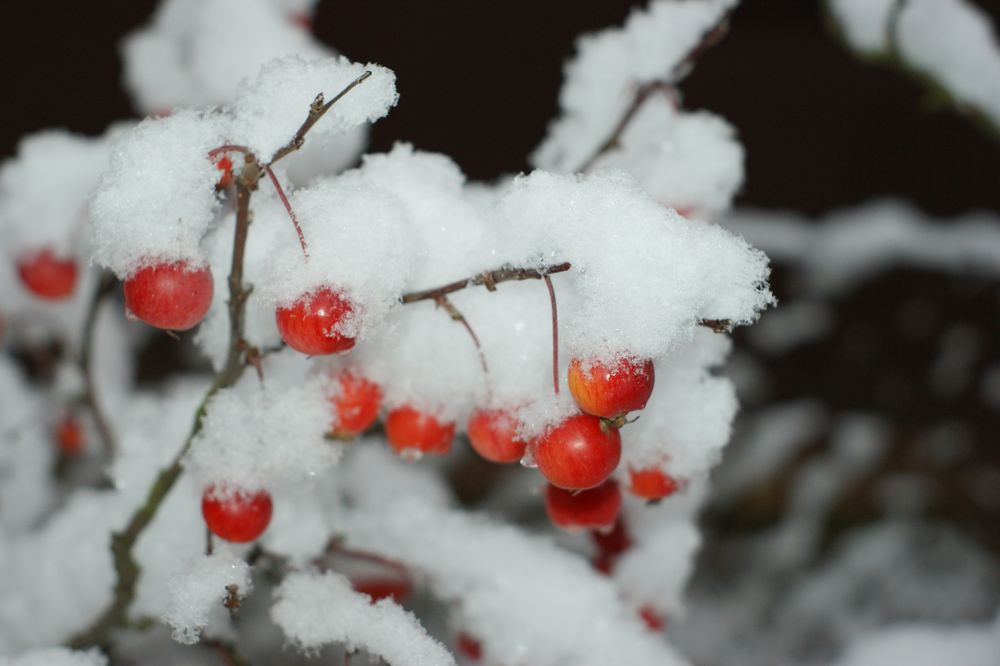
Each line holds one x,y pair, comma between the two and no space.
200,589
317,609
951,41
520,596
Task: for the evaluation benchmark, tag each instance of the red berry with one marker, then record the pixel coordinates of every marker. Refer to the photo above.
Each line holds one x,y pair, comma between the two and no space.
357,404
584,509
579,453
611,390
236,515
493,434
651,483
225,165
469,647
612,542
397,589
46,275
302,21
308,324
409,430
172,296
69,435
652,618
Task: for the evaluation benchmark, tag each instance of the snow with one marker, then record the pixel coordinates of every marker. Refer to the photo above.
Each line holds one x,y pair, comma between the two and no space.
200,589
157,199
688,161
268,110
258,434
56,657
195,52
950,41
925,645
688,418
542,603
317,609
851,245
599,83
44,190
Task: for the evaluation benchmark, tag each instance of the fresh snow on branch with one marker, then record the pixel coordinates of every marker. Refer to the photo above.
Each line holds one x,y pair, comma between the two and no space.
520,596
318,609
849,246
950,41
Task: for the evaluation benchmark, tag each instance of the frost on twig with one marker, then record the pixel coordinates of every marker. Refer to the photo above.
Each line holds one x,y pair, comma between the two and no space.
319,609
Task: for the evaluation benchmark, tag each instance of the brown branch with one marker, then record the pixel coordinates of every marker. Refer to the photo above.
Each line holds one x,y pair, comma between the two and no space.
456,315
288,209
126,568
641,95
489,279
555,334
667,86
316,111
104,289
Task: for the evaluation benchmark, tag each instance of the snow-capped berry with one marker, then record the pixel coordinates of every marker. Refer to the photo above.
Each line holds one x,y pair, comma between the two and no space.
611,390
356,405
580,452
47,275
410,430
309,325
596,508
174,296
493,435
651,483
236,515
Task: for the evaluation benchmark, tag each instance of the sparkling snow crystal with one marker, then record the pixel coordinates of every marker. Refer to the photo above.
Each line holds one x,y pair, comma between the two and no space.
202,588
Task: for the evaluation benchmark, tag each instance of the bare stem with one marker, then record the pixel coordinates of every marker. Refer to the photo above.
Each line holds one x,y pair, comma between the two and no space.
667,86
456,315
288,207
316,111
122,543
489,279
555,334
104,289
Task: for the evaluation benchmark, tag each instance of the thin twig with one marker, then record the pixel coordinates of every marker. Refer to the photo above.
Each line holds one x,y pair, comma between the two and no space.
288,207
555,334
892,27
126,568
316,111
456,315
489,279
104,289
667,86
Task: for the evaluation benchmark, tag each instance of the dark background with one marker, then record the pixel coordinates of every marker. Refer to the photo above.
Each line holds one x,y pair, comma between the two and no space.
479,81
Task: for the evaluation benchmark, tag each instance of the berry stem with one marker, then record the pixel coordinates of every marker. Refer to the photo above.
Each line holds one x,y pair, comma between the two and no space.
288,207
488,279
456,315
228,148
104,289
555,333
